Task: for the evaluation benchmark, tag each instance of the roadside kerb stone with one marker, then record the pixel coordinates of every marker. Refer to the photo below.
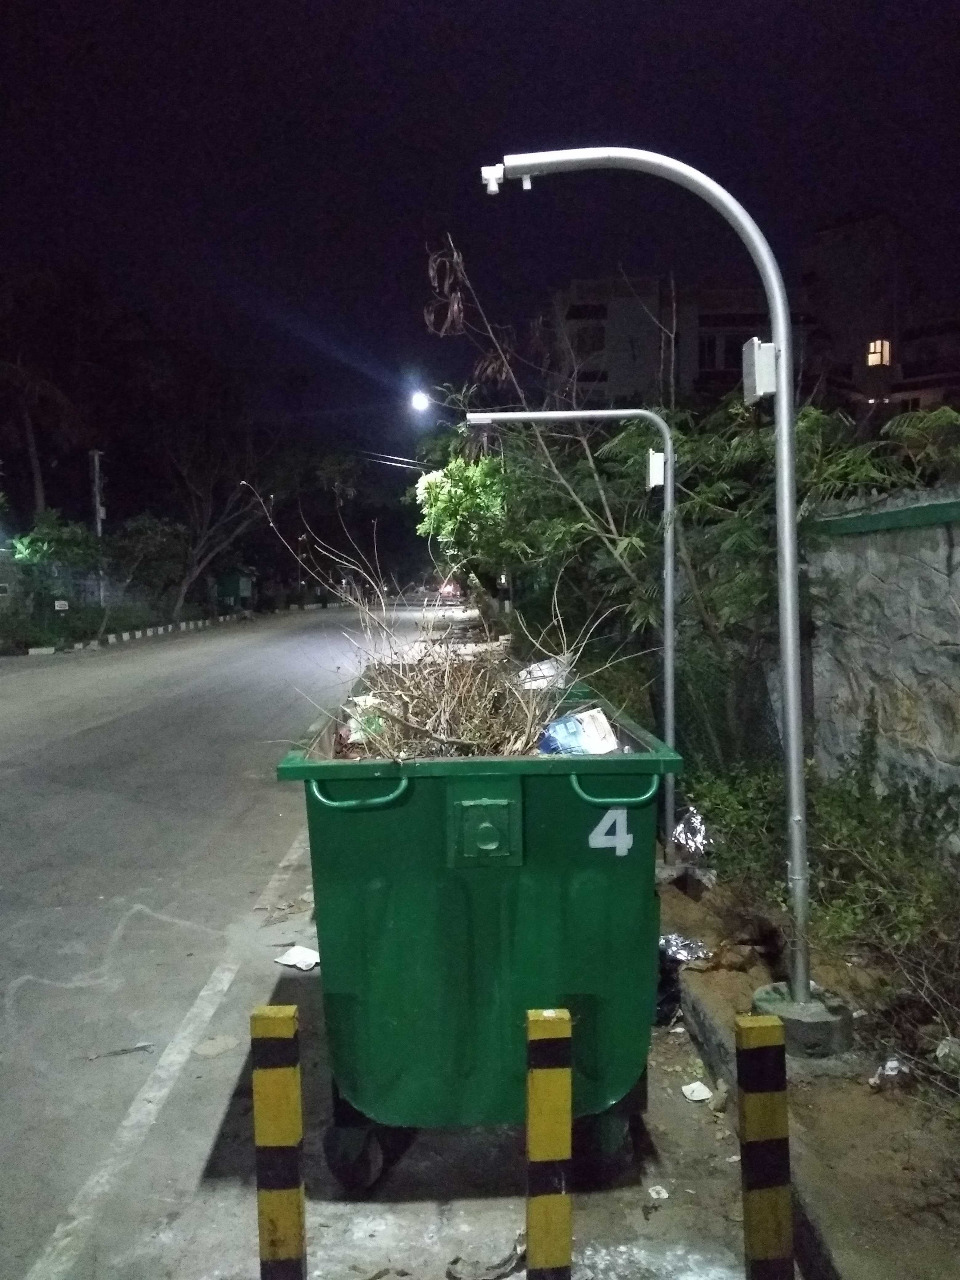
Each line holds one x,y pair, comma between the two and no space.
124,637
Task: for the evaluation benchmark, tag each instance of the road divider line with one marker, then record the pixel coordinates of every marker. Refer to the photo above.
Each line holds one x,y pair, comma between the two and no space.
66,1245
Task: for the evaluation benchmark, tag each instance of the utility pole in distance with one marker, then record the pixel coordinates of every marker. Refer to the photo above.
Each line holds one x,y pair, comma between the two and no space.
98,508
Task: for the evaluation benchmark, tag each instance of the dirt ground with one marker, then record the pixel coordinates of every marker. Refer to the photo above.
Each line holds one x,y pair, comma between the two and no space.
883,1169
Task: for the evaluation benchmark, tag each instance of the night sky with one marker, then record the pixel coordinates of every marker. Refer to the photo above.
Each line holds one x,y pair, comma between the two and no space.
267,176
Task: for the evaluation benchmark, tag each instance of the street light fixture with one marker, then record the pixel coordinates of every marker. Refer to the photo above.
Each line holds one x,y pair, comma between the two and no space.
525,167
669,626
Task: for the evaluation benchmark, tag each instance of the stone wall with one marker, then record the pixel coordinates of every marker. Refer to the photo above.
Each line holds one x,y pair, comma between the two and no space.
886,605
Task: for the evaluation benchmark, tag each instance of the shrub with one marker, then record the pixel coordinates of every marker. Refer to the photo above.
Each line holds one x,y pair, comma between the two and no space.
884,881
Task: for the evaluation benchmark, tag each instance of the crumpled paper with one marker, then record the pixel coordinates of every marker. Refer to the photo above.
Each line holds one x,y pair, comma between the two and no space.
696,1092
298,957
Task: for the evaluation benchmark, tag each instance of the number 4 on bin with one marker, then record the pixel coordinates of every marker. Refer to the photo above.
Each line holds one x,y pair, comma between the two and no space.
611,833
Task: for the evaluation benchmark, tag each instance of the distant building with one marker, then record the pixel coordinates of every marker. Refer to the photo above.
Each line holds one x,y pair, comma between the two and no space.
928,367
875,339
852,279
863,331
614,338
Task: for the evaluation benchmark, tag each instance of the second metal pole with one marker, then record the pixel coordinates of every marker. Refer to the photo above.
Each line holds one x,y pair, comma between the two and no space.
669,558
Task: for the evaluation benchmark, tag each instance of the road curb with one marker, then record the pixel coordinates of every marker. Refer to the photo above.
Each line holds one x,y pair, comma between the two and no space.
127,637
170,628
816,1258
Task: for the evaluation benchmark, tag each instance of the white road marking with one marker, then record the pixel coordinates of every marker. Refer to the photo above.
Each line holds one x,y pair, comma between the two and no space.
64,1247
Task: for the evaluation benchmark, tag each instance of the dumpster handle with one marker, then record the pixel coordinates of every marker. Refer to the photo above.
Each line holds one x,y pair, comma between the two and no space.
377,802
608,802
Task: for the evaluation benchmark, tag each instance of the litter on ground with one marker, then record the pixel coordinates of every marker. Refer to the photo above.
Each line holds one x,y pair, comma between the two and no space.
697,1091
144,1046
299,958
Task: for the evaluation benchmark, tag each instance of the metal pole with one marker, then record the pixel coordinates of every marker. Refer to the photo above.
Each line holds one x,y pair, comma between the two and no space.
95,455
669,629
527,166
669,559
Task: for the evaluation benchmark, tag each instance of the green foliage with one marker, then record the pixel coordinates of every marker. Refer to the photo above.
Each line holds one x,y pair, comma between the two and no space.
930,441
147,552
884,875
464,508
22,628
566,508
873,856
53,540
626,683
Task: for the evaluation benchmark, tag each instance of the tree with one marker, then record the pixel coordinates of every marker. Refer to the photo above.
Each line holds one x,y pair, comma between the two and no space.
30,402
569,504
52,544
145,551
570,510
54,332
218,473
464,508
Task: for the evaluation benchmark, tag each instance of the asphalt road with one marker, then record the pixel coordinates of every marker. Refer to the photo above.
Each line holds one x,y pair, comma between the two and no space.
139,822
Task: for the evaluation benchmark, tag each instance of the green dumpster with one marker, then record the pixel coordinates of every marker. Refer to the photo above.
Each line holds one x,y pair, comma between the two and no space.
452,895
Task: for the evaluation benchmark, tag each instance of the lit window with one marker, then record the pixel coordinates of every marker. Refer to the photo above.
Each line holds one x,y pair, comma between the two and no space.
878,352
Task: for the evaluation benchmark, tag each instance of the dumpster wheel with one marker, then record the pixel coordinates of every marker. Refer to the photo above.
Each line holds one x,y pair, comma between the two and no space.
358,1151
354,1156
605,1141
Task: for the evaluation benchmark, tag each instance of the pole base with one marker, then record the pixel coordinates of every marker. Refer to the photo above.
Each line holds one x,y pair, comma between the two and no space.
821,1028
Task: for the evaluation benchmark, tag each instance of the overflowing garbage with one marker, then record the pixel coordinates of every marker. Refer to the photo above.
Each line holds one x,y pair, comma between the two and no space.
447,701
552,673
583,733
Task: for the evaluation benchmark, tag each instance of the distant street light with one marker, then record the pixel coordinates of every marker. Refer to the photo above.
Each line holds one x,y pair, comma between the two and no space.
420,402
780,385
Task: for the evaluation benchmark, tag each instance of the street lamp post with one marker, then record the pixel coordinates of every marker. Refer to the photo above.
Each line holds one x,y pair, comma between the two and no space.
534,164
669,626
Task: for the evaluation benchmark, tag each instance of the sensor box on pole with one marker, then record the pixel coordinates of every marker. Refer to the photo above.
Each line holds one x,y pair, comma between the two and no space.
759,370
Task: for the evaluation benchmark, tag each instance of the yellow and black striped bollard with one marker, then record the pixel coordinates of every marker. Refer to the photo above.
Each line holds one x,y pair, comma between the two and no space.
549,1144
278,1135
764,1148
